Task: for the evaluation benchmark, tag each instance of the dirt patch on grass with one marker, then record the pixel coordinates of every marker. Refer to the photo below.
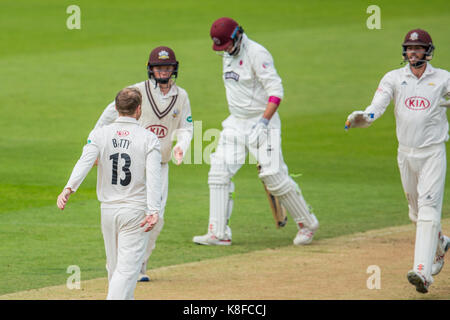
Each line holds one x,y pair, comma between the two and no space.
326,269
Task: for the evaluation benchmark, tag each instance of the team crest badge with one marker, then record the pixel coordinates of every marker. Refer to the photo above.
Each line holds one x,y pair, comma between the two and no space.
414,36
164,55
216,41
175,113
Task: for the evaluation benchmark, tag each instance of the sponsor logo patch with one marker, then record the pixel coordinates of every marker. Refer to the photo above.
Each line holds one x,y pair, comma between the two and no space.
122,133
159,130
189,119
404,83
231,75
417,103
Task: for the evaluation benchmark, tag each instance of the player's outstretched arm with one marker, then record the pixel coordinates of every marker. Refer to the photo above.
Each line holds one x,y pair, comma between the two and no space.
359,119
108,116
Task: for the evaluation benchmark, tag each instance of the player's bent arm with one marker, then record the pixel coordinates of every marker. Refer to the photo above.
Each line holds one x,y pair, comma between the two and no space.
108,116
264,70
185,129
272,106
153,177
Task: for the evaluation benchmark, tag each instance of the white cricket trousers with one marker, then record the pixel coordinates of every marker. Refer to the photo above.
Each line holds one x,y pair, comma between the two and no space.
423,178
422,172
125,243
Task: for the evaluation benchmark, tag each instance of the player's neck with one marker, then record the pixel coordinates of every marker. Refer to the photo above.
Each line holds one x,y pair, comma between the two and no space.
164,88
418,72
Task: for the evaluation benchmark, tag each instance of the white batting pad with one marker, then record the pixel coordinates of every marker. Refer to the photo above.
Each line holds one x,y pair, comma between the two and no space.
218,203
427,234
287,191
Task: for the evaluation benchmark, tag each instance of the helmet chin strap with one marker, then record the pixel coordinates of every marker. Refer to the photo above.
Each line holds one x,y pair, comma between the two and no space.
418,64
236,45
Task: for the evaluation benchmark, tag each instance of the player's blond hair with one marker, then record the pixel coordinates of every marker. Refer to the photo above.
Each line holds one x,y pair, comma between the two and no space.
127,101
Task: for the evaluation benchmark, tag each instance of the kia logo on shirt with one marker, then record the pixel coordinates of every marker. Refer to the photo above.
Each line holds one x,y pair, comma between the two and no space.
122,133
417,103
159,130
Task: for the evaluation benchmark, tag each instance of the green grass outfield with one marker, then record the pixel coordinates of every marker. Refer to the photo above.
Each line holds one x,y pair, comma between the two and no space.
55,82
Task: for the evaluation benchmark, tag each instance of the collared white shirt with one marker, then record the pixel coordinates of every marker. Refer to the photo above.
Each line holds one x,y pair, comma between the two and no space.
420,119
129,166
250,78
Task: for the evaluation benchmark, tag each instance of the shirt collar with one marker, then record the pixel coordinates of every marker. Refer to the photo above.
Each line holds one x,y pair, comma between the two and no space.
428,70
126,119
173,91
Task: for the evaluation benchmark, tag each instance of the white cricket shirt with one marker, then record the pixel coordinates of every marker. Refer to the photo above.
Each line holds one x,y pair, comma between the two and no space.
420,120
129,166
250,78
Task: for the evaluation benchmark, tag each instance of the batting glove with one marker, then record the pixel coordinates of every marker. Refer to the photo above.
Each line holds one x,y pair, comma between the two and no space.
258,135
359,119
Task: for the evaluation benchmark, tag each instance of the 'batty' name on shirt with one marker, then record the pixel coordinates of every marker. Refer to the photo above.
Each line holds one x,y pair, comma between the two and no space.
121,143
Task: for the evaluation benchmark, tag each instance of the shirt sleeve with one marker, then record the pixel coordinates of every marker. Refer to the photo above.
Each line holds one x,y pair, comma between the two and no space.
185,129
153,176
90,153
383,96
108,116
267,75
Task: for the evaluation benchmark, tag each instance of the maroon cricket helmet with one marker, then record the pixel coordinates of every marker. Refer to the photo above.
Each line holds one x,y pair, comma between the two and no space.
419,37
222,32
162,56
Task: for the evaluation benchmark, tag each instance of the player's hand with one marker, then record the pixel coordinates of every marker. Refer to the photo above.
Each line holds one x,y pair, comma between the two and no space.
63,197
149,222
359,119
178,154
258,135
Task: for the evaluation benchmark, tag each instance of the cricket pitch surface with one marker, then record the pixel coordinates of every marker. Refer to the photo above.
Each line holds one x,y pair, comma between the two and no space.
370,265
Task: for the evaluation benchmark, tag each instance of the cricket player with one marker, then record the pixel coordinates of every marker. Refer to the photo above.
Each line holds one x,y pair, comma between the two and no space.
254,92
128,187
166,111
418,90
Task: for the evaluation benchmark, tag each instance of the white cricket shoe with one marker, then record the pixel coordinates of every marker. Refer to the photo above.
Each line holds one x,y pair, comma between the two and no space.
210,239
304,236
438,262
143,278
418,280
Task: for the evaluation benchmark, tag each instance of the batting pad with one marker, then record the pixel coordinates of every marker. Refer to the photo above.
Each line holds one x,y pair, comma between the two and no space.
287,191
427,236
218,203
